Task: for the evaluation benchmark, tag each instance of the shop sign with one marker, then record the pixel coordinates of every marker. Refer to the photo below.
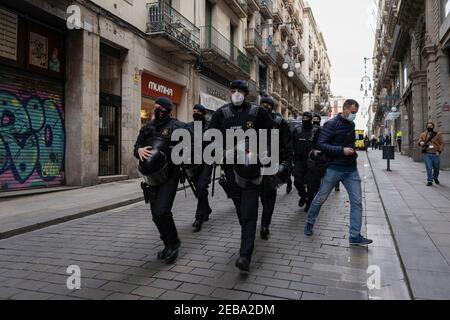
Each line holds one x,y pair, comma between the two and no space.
156,87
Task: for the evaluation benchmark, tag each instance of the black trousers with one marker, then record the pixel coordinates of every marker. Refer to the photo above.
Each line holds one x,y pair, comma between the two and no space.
201,183
307,181
161,203
268,195
246,203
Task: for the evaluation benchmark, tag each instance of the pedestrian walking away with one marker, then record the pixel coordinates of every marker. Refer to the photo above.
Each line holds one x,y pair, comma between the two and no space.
337,140
271,183
200,174
399,138
153,149
432,144
243,181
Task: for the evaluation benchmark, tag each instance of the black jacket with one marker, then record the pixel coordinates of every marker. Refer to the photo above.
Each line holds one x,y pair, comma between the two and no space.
337,134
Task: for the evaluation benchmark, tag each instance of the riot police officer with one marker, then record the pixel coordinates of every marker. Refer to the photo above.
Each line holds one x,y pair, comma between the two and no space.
200,174
304,139
243,181
270,183
153,149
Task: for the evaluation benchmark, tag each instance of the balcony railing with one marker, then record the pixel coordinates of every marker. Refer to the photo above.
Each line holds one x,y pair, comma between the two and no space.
266,8
270,51
254,39
165,20
211,39
239,7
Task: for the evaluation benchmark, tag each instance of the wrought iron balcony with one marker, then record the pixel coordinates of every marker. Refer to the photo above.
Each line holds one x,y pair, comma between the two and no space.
304,84
253,42
266,8
252,6
270,53
277,15
239,7
171,31
222,53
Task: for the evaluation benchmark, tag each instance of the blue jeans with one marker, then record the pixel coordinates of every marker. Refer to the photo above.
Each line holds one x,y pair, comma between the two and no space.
352,183
433,164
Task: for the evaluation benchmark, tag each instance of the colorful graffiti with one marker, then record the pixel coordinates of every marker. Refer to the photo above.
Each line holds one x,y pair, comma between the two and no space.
32,141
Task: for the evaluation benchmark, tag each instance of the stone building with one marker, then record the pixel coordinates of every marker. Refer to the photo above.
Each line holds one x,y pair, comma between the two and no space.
411,71
95,67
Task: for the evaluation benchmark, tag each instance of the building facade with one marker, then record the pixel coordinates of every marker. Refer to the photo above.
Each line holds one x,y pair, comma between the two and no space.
81,77
412,71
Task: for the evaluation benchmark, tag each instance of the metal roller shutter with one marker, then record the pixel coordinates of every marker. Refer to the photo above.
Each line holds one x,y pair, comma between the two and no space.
32,132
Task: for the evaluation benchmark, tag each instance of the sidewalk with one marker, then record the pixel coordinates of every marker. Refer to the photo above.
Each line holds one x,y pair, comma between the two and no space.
420,220
19,215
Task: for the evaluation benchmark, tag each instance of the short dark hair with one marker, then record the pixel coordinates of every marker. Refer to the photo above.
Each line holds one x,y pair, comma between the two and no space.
349,103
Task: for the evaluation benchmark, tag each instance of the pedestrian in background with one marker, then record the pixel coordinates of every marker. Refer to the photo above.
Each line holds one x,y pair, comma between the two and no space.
381,140
337,141
399,141
432,144
388,140
374,142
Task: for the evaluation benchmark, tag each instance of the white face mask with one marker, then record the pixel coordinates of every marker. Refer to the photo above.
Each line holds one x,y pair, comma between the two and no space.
351,117
238,99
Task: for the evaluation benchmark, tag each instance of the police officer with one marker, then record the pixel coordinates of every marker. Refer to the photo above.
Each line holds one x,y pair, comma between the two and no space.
304,139
243,181
162,177
270,183
292,125
200,174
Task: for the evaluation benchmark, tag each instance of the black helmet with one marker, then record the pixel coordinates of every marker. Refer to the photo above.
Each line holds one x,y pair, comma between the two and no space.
283,174
248,175
156,168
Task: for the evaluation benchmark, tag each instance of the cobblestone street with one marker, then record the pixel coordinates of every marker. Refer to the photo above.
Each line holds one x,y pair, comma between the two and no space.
116,251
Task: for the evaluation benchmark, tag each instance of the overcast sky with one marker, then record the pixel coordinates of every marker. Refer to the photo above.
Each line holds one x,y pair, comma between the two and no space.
348,28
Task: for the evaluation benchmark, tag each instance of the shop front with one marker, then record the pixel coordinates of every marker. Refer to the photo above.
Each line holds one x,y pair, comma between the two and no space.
32,125
212,95
152,88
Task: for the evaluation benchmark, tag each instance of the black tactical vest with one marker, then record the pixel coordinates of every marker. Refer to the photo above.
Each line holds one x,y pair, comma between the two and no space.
304,142
244,120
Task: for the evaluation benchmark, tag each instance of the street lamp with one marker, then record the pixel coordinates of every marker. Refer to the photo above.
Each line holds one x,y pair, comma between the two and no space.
366,81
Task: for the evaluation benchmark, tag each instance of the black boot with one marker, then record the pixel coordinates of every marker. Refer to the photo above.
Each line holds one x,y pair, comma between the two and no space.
289,188
302,202
243,264
197,226
172,253
265,233
207,214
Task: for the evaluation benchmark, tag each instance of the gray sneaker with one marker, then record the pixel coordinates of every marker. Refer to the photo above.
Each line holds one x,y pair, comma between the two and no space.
360,241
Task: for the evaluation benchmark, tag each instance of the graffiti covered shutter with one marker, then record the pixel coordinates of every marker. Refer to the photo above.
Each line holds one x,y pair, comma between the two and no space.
32,133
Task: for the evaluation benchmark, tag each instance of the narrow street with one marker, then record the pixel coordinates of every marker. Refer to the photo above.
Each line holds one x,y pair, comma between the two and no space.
116,252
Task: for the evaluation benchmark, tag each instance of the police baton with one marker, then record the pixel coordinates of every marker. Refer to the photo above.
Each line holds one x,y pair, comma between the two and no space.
214,180
191,184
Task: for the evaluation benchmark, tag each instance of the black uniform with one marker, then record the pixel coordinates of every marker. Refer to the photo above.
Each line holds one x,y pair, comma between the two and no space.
304,140
248,116
201,181
269,189
162,197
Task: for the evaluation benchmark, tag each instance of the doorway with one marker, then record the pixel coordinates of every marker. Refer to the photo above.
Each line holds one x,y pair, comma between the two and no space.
110,111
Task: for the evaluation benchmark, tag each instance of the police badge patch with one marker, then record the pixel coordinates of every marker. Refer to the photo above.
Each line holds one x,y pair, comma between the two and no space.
165,132
250,125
